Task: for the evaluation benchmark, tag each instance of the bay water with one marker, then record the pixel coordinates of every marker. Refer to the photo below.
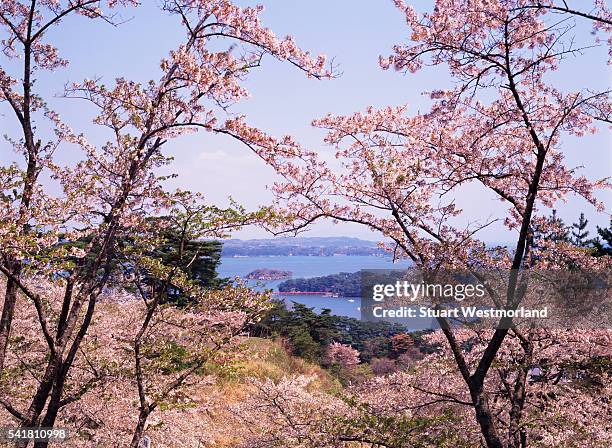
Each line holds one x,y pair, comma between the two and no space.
308,267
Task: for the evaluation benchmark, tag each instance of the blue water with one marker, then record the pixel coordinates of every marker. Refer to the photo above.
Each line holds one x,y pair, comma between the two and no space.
305,267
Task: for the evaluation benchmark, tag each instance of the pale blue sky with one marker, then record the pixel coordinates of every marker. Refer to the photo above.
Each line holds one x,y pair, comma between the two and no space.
355,32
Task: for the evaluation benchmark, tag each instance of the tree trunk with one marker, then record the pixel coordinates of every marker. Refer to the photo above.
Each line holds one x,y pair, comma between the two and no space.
8,310
58,385
53,407
517,438
484,417
40,398
143,415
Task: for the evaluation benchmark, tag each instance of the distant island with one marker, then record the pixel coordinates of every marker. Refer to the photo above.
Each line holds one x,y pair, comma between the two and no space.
301,246
344,284
268,274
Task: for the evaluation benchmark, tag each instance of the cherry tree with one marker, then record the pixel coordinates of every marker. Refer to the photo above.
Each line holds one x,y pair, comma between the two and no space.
210,325
109,194
341,354
24,27
503,127
567,403
126,381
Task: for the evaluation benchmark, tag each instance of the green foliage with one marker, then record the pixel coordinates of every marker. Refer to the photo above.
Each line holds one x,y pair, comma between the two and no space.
303,344
603,242
306,331
180,248
401,343
309,333
377,347
555,230
198,260
344,284
577,234
169,358
580,232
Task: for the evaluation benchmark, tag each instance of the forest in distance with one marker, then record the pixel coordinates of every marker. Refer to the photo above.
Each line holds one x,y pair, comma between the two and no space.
296,246
348,284
148,146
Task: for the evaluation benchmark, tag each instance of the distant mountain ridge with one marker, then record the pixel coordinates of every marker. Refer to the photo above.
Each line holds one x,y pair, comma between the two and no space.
309,246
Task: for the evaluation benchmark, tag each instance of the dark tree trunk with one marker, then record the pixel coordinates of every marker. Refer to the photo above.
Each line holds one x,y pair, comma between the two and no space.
8,310
143,415
53,407
484,416
517,438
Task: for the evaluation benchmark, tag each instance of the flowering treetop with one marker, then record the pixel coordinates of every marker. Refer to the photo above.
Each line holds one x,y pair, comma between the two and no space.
501,127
